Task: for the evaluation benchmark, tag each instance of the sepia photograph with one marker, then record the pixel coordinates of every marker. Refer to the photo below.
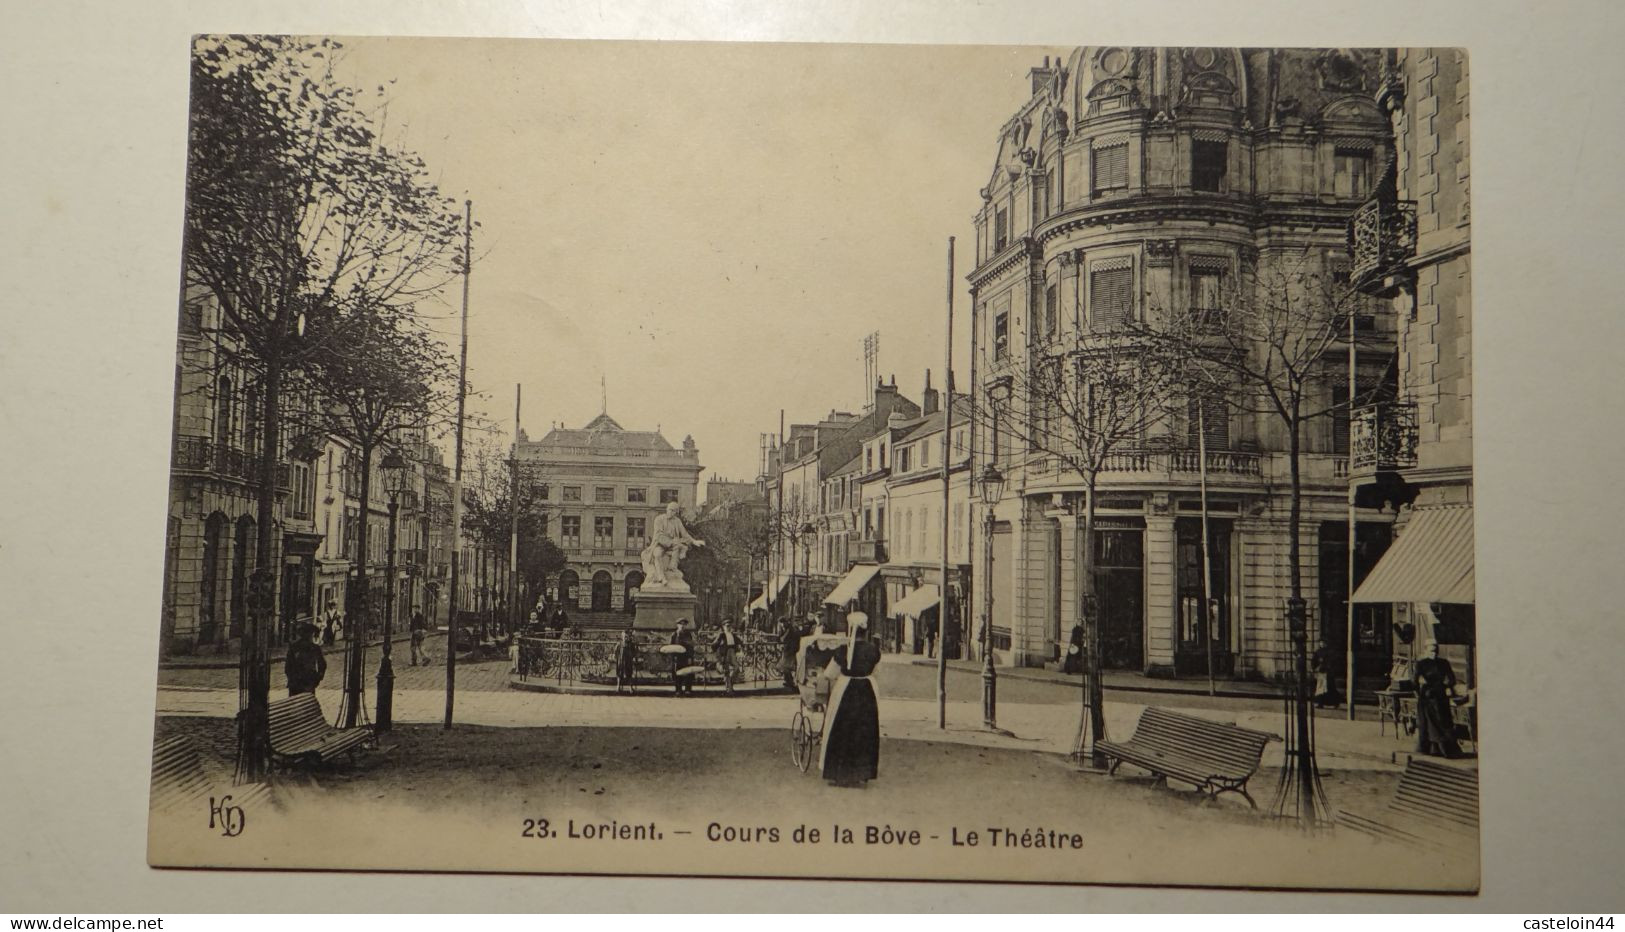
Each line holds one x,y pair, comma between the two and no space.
1021,464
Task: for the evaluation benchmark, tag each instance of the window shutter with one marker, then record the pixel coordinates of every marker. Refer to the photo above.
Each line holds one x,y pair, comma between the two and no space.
1111,167
1110,297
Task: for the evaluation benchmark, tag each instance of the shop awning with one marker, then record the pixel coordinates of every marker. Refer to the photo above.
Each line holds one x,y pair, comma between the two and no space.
917,601
852,583
770,594
1430,561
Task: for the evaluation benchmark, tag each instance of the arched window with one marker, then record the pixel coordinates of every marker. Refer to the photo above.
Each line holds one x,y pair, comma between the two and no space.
603,587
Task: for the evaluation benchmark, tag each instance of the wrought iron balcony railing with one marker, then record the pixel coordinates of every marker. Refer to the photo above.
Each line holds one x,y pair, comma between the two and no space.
202,455
1382,238
1382,437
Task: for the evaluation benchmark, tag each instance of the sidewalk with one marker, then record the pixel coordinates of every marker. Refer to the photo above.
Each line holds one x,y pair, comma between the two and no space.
1117,680
228,660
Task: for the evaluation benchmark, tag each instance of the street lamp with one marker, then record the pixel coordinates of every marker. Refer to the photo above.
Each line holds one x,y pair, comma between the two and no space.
397,474
992,490
807,530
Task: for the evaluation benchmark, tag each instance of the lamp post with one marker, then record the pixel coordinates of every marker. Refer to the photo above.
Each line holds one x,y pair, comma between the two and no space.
992,490
807,530
397,473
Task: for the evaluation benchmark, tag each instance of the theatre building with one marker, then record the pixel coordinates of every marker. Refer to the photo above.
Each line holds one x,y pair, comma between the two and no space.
600,489
1137,182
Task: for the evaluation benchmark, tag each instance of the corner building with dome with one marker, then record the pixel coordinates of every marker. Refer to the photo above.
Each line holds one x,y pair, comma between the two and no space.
1135,182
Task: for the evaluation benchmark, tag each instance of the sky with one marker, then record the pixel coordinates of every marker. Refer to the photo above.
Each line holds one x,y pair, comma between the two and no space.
703,232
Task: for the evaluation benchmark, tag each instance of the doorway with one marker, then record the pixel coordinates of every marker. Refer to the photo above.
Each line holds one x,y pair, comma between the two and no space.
1193,635
1120,587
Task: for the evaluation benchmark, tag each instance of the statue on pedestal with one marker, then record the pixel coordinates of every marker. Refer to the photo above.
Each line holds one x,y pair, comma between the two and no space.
667,546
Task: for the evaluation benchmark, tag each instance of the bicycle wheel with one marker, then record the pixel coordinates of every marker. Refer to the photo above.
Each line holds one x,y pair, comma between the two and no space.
801,742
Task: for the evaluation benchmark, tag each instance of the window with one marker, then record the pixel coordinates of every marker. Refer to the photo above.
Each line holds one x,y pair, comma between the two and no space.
570,532
1001,229
604,495
1111,299
903,459
959,443
1340,419
572,493
603,532
636,534
1351,173
1213,420
1209,161
1109,167
1052,309
1207,289
637,496
668,496
1001,336
868,459
542,491
925,453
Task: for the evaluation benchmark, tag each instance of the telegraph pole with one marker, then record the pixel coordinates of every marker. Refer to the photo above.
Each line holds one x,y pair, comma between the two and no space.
457,473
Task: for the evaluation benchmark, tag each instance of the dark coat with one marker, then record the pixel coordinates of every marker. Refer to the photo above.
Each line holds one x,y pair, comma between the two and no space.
626,659
305,667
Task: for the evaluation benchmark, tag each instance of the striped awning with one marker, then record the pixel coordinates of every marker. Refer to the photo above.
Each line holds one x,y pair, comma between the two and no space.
917,601
769,595
1431,560
852,583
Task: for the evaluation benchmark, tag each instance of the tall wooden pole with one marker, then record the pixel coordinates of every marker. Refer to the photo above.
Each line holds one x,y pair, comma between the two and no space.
1348,637
513,523
947,429
457,472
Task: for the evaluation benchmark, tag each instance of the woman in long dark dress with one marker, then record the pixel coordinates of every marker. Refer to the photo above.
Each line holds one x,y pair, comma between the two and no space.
1072,664
1435,726
850,753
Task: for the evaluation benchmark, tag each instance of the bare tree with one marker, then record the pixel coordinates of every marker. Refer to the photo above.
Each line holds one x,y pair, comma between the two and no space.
1267,343
1089,402
381,376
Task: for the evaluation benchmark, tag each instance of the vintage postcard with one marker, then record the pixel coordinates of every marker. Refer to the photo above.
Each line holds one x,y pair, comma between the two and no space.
962,463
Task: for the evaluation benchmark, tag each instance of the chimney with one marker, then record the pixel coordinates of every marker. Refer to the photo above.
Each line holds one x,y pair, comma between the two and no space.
1041,76
928,398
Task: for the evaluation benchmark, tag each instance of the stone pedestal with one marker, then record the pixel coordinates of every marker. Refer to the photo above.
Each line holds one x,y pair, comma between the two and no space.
658,610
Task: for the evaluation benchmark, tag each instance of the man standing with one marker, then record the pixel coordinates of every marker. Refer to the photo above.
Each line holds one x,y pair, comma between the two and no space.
726,646
682,683
306,664
419,632
626,660
331,621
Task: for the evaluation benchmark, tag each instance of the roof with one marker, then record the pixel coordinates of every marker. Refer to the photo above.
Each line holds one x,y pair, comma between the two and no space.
603,432
853,465
932,423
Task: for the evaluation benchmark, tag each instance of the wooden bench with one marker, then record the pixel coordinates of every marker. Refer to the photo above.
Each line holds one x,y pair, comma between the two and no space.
1214,757
179,777
1434,806
299,733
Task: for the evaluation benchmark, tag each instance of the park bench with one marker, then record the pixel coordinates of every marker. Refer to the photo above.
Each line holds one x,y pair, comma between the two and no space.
299,733
1434,806
179,777
1214,757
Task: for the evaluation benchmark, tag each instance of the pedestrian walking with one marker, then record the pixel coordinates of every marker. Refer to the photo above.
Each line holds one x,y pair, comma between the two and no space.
306,664
626,659
726,647
330,622
930,625
682,682
420,630
561,620
1072,664
849,754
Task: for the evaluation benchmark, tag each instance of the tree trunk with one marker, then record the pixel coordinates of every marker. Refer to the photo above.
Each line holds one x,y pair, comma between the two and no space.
254,664
1092,722
360,600
1297,622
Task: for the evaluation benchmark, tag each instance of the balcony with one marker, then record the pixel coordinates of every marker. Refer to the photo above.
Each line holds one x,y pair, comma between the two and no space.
1382,438
1382,238
202,455
872,550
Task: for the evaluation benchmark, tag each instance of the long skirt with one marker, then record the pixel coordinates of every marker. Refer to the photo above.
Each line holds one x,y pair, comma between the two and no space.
851,747
1436,728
